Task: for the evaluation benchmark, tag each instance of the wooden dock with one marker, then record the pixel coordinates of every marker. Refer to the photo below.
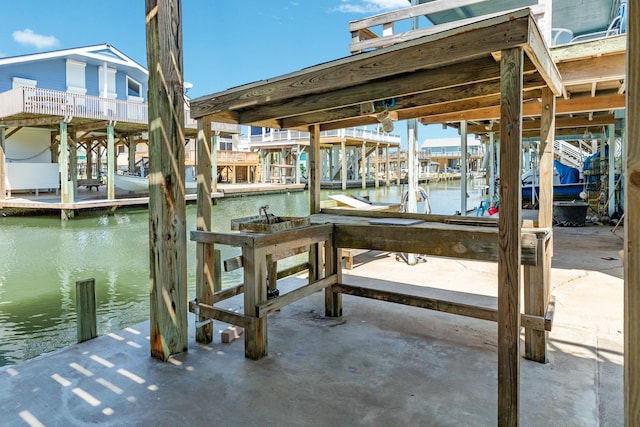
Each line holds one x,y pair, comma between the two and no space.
91,200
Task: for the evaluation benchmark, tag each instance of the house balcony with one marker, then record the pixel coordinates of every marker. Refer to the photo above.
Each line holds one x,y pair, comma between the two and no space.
277,136
27,106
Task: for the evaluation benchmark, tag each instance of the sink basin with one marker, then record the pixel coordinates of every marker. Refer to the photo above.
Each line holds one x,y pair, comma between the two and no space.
258,224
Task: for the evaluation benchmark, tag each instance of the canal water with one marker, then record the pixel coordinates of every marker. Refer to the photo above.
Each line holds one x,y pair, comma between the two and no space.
42,257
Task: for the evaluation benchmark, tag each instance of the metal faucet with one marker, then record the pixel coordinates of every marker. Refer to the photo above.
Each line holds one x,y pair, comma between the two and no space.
264,209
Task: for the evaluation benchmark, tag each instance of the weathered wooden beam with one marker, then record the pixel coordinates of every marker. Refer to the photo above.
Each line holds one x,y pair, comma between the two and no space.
407,106
482,70
599,68
509,238
468,111
294,295
167,210
207,269
590,48
409,12
560,123
463,242
539,323
632,226
87,322
222,315
255,293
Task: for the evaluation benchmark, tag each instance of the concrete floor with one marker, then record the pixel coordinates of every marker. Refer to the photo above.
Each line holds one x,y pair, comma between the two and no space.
379,365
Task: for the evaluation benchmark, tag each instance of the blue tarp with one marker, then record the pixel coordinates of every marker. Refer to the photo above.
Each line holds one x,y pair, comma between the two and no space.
568,175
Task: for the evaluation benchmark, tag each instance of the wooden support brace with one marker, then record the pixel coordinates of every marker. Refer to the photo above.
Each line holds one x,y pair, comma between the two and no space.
294,295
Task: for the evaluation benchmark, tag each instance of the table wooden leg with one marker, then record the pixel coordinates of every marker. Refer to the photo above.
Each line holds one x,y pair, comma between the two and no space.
332,265
536,299
255,292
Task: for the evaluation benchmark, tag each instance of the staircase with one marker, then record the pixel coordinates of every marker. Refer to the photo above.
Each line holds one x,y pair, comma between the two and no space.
569,154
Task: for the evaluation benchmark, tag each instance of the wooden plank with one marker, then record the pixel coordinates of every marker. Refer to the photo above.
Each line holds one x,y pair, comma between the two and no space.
466,110
86,309
538,53
255,293
462,242
222,315
448,28
167,210
292,296
509,238
444,306
227,293
409,12
293,270
206,268
632,226
234,263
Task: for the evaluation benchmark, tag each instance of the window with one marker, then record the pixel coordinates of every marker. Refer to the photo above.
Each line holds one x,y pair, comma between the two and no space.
22,82
134,90
76,77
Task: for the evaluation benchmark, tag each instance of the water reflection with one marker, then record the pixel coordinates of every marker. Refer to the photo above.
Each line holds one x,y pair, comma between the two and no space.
42,258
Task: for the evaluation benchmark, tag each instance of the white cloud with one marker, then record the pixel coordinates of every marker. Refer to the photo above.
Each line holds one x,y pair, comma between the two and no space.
28,37
371,6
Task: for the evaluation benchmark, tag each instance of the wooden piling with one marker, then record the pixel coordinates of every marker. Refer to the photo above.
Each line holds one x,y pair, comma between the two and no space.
86,309
509,237
167,209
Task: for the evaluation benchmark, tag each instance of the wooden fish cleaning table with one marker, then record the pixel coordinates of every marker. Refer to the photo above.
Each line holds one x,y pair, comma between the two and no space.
447,236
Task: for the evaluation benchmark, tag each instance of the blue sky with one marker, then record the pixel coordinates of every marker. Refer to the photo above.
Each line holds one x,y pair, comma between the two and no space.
226,43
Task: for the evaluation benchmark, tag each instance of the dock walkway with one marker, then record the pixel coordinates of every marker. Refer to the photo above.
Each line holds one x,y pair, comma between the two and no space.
91,199
379,364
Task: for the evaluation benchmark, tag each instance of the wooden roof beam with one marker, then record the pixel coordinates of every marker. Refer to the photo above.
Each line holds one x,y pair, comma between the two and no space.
530,109
409,107
561,123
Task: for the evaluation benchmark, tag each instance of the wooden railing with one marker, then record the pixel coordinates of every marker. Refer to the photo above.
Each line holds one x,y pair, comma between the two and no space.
237,157
66,104
363,36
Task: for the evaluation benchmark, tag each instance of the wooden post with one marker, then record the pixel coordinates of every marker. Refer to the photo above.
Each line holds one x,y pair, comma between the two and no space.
386,168
132,153
111,162
536,278
377,168
89,153
314,170
73,164
398,166
509,237
363,166
167,210
205,265
632,225
3,160
332,265
463,167
612,169
214,161
63,164
86,309
343,174
255,292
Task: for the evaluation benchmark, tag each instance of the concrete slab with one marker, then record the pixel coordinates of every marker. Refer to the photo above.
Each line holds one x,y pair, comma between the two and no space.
379,365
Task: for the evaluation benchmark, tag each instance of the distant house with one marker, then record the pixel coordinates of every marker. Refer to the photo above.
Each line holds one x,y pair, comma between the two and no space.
447,152
92,98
